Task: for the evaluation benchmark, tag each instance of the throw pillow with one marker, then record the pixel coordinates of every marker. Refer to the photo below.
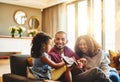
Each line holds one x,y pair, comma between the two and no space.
29,61
29,74
113,54
116,60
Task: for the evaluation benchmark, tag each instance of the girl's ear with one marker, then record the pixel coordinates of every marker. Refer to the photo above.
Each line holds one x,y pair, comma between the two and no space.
44,46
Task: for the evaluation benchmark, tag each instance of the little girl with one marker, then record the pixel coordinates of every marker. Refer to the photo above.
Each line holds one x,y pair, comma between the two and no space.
42,68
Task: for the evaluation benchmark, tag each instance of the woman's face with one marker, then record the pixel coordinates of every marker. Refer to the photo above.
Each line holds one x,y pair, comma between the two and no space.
48,45
83,46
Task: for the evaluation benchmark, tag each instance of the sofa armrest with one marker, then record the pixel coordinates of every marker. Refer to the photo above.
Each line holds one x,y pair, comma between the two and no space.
18,64
17,78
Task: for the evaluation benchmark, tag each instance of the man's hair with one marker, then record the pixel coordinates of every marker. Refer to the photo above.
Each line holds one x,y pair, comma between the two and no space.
61,32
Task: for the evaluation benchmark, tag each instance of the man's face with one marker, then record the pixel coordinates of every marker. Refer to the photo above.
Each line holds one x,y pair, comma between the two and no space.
60,40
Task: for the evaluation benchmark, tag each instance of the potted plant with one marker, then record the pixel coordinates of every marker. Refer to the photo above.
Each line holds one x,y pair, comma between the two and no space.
12,30
20,30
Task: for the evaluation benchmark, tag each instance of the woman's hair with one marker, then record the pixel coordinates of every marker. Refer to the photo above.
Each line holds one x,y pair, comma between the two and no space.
91,43
38,42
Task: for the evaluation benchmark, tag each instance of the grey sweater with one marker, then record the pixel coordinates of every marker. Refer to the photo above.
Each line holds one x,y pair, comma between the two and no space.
100,60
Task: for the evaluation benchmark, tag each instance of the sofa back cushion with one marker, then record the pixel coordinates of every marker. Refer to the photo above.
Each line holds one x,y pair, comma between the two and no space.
18,64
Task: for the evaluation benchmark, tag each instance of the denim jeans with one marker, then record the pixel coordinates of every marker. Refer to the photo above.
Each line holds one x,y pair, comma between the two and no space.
114,76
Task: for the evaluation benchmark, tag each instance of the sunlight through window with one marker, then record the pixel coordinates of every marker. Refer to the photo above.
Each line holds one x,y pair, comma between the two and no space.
95,17
82,18
71,25
109,24
97,21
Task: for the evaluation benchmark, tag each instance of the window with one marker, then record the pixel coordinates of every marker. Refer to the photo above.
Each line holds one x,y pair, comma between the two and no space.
71,25
109,21
82,18
94,17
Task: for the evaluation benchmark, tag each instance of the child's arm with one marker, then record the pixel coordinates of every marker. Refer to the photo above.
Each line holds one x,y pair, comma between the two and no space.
52,63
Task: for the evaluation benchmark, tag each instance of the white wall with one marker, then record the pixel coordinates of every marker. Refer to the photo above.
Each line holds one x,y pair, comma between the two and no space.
15,45
7,17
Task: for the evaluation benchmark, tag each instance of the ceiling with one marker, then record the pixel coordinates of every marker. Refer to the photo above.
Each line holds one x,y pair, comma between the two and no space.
40,4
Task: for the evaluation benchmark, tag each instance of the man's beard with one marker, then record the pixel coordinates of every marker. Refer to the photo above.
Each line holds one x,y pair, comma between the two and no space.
59,48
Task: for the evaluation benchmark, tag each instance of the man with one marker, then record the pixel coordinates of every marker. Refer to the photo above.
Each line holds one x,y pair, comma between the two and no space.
60,47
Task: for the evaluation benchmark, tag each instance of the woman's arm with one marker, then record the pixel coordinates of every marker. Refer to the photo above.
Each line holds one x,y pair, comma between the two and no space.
105,64
51,63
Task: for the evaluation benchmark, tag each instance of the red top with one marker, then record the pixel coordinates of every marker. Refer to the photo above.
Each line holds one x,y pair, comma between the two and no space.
56,57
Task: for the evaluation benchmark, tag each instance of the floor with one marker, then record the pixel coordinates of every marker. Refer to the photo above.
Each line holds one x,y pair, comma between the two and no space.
0,79
4,66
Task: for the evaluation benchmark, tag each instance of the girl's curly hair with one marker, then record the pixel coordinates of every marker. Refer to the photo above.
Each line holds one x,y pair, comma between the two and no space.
38,42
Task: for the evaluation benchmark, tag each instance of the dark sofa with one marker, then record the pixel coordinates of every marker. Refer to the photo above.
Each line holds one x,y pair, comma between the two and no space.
18,64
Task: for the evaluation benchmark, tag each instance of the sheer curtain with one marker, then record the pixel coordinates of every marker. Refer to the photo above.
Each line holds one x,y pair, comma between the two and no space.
54,19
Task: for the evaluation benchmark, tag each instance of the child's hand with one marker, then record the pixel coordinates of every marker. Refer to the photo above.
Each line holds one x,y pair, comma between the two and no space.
79,64
83,61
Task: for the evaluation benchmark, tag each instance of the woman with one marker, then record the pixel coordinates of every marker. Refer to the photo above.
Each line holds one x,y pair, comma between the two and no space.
87,47
42,68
